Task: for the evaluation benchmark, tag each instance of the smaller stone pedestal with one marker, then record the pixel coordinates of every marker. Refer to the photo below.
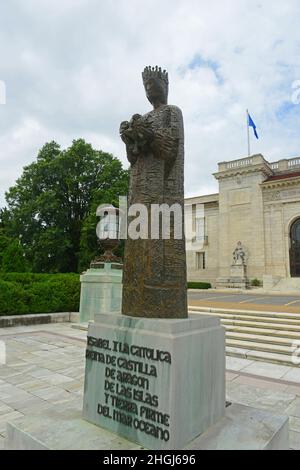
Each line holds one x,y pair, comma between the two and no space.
157,382
238,271
237,280
101,291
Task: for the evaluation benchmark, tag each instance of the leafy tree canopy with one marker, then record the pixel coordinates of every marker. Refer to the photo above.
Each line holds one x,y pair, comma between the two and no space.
13,259
52,207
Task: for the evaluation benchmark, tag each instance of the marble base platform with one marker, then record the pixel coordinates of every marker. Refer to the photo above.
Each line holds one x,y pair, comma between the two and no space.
245,428
242,428
157,382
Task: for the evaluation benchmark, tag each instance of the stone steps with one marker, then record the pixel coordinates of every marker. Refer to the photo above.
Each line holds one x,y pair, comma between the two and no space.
261,324
258,319
266,336
257,346
263,331
262,356
280,318
257,338
245,313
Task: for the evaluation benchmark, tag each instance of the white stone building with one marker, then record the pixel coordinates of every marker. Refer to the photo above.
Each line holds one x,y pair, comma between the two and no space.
258,204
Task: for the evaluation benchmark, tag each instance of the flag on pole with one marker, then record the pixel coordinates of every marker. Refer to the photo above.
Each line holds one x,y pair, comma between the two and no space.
252,124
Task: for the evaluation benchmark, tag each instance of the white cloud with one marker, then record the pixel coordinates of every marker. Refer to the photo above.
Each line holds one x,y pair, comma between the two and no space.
73,69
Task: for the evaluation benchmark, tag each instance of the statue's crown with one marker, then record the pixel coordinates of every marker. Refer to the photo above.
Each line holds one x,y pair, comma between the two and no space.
155,72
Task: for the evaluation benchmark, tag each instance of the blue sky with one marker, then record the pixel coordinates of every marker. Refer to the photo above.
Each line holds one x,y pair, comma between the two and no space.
72,68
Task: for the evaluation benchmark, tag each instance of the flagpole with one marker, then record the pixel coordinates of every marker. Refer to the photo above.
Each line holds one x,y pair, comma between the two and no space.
248,135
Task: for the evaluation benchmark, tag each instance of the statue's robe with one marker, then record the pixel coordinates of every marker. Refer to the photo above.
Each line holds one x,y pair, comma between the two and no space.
154,278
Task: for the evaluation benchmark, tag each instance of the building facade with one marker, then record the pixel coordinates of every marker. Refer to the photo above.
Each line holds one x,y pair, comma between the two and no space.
258,204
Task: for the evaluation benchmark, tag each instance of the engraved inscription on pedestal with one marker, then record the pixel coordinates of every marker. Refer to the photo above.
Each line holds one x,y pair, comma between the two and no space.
159,383
130,374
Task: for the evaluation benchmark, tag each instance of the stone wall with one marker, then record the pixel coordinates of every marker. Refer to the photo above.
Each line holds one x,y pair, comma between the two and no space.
208,245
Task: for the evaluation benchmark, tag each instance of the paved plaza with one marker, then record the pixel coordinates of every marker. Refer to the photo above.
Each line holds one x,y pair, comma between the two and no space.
245,301
45,368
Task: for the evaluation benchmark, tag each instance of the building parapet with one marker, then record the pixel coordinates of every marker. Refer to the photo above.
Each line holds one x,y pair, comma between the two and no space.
237,163
284,165
253,163
241,162
293,162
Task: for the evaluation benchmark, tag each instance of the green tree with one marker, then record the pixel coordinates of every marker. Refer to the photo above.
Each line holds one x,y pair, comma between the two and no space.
53,204
13,259
5,240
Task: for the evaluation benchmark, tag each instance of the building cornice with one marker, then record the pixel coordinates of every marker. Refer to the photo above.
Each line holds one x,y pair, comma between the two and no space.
231,172
291,181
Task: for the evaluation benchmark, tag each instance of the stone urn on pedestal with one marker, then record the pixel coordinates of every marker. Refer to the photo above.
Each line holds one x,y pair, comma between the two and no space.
101,285
108,235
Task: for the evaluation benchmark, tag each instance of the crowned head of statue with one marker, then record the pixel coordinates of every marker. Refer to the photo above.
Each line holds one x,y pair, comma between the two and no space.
156,85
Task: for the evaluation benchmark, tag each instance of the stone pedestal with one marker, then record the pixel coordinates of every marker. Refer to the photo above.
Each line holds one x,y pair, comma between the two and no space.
237,280
238,271
157,382
101,291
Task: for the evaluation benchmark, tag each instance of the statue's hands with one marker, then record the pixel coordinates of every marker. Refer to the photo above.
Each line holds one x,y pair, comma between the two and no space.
143,130
137,134
124,126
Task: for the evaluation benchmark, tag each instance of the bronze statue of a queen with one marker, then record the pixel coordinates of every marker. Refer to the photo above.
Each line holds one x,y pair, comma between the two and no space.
154,278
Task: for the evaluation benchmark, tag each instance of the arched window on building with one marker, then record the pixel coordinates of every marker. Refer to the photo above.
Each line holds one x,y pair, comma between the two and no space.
295,249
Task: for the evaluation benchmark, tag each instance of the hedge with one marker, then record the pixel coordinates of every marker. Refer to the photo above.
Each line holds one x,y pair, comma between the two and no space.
24,293
256,283
199,285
